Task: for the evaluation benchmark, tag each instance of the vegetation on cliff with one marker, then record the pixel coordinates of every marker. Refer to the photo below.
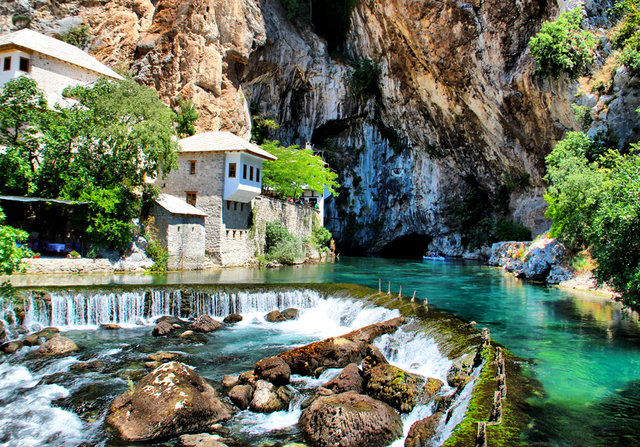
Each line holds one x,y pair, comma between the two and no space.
99,150
594,201
562,46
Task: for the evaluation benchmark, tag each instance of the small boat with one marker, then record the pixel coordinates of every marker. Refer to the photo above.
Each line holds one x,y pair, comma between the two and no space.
433,258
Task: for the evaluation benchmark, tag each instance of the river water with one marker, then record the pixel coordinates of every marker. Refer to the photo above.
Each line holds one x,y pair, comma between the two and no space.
585,350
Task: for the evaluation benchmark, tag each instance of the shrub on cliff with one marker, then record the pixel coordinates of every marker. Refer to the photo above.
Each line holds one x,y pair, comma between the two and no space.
595,204
562,46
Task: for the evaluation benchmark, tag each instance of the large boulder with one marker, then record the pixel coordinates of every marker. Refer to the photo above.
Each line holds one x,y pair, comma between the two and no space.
422,432
204,323
57,346
291,313
171,400
232,318
349,379
394,386
350,420
337,352
268,398
11,346
200,440
274,370
275,316
542,255
241,395
162,328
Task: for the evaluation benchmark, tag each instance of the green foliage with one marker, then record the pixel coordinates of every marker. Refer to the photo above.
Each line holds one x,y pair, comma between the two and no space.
22,105
364,80
296,169
186,115
280,245
320,238
77,36
298,10
562,46
158,254
595,204
10,254
99,150
583,116
261,128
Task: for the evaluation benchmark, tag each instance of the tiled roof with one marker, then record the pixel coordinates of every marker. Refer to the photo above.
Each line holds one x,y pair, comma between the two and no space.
221,142
55,48
176,206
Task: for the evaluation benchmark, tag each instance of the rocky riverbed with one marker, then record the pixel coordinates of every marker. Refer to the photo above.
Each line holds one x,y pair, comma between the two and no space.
236,375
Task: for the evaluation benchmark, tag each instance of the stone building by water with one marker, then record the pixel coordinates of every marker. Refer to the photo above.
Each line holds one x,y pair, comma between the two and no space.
219,174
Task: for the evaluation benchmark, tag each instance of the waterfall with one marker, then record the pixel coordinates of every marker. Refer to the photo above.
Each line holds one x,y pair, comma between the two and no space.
87,309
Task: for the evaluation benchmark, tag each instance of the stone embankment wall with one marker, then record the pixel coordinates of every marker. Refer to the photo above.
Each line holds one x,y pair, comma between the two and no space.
241,247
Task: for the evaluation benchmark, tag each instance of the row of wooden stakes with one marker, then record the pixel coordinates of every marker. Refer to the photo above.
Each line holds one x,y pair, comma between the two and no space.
413,298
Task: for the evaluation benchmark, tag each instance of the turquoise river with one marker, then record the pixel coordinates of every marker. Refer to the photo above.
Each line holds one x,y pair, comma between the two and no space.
583,348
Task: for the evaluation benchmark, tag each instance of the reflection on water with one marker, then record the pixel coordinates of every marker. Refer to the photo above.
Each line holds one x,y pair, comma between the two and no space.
585,349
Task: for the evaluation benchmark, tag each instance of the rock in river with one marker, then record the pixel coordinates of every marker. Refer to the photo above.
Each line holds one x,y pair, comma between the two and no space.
394,386
350,420
291,313
57,346
422,432
337,352
349,379
162,328
232,318
205,323
274,370
169,401
274,316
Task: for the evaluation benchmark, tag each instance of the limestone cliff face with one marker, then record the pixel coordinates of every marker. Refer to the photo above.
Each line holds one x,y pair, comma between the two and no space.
458,106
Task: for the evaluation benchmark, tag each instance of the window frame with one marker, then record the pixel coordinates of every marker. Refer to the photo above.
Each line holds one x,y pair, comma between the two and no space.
28,63
6,64
258,175
192,167
229,170
191,194
244,171
250,173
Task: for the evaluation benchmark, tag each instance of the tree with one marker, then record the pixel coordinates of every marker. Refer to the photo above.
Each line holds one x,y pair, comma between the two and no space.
22,104
99,150
594,201
296,169
186,115
562,46
11,254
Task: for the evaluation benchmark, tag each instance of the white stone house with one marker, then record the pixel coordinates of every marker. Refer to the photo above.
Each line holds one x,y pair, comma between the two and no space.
53,64
220,174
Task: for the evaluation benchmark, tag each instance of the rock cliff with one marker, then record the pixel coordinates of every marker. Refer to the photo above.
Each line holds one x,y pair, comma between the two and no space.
456,109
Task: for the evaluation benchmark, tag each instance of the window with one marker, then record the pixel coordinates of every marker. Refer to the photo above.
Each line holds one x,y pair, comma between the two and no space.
228,205
24,64
257,174
232,170
192,167
7,63
251,173
244,172
191,198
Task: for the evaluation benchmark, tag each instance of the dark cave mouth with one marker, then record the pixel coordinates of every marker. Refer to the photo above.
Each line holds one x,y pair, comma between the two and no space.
409,246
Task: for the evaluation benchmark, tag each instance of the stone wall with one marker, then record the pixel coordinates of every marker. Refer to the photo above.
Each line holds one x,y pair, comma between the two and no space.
207,183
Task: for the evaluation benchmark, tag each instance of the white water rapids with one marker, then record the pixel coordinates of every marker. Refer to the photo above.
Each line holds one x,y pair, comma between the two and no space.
28,413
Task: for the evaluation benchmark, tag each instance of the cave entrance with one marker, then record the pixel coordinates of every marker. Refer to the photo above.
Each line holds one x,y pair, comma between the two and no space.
410,246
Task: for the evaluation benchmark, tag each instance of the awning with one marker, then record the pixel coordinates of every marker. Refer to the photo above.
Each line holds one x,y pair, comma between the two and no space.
42,200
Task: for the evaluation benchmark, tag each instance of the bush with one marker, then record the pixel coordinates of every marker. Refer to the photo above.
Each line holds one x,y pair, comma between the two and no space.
320,238
364,80
158,254
280,245
583,116
77,36
562,46
275,232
